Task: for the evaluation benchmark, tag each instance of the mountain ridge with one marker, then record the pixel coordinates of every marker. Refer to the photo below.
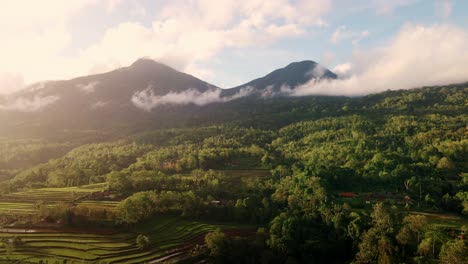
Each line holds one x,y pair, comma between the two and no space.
146,92
295,73
146,66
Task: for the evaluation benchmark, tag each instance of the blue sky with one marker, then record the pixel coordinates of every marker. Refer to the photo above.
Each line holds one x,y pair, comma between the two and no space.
230,42
316,44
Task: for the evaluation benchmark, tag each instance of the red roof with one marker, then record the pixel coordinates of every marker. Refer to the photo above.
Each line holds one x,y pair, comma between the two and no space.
347,194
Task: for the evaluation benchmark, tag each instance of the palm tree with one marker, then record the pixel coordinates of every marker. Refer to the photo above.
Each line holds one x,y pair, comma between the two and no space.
436,235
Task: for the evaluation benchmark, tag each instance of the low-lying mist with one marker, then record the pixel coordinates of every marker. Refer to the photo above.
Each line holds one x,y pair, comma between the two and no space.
147,100
23,104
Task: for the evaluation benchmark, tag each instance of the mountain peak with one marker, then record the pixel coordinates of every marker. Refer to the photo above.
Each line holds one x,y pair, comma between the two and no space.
294,74
147,63
301,63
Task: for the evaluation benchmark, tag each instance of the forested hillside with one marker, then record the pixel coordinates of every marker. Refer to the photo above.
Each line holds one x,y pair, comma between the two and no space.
370,177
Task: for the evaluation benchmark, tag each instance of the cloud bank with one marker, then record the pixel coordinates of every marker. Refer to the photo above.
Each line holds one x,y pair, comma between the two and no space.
343,33
10,82
99,104
88,88
418,56
342,70
22,104
147,100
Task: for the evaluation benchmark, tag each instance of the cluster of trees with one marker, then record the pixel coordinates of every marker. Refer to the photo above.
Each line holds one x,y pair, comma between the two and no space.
80,214
415,155
178,151
304,223
223,249
198,194
18,154
382,237
83,165
393,239
63,213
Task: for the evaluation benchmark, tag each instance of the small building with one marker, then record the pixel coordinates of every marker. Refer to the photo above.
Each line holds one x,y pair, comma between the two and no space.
347,194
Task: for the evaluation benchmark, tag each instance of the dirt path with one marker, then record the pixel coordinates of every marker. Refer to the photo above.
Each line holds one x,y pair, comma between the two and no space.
167,257
438,216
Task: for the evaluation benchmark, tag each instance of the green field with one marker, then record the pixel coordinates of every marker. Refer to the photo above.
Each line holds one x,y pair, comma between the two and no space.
24,203
168,235
54,195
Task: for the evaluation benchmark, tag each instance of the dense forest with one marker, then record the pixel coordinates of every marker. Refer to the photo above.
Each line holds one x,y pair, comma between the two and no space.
358,176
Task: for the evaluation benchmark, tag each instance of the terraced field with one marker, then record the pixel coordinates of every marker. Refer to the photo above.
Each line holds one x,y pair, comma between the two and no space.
169,237
17,208
51,195
23,203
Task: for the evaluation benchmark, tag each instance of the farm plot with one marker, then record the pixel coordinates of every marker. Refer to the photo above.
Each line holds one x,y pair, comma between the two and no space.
17,208
167,235
54,195
25,203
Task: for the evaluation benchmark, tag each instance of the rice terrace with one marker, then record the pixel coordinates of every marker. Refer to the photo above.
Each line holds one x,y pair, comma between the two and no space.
170,238
32,239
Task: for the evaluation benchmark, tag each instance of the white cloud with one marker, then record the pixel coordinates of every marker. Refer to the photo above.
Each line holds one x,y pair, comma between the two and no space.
99,104
343,33
339,34
379,7
22,104
246,91
10,82
343,69
37,86
360,36
317,72
385,7
88,88
147,100
417,56
36,36
443,8
209,27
